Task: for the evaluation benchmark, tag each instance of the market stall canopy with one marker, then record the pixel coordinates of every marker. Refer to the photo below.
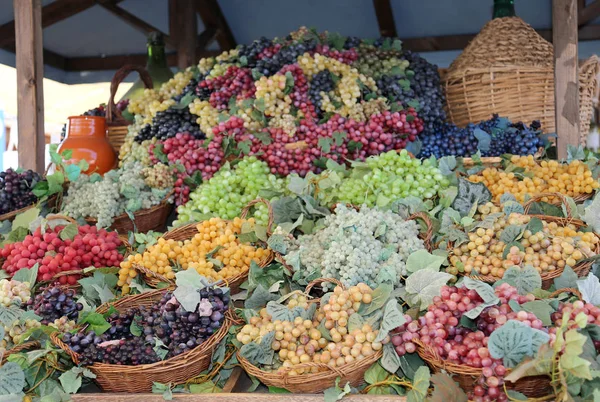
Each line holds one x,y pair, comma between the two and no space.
87,40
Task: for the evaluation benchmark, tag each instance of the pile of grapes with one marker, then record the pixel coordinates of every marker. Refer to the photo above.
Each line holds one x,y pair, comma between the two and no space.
445,139
127,189
56,251
299,340
572,179
164,329
215,252
15,189
548,248
369,246
54,303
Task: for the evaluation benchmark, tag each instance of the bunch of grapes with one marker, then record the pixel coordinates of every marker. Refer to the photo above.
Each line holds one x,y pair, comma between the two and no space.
158,176
54,303
225,194
89,247
215,252
300,341
14,333
440,329
170,122
352,248
549,176
166,321
393,175
118,191
570,310
15,189
13,292
548,250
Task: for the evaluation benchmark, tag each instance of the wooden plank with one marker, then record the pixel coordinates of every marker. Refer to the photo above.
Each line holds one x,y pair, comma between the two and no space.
566,85
385,18
588,13
30,75
187,33
254,397
206,38
136,22
211,14
233,379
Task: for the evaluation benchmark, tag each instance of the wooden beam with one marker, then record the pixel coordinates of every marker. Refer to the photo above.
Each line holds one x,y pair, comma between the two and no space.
385,18
30,88
211,14
97,63
185,24
136,22
589,13
566,85
223,397
205,38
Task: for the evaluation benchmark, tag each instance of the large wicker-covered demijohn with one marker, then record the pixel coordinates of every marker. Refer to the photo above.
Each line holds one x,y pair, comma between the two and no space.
508,68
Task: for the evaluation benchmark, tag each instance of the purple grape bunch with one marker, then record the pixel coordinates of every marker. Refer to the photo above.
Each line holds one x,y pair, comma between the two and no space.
56,302
15,189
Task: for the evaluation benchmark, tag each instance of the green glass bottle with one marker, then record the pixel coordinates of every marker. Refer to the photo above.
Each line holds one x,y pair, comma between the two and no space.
156,66
504,8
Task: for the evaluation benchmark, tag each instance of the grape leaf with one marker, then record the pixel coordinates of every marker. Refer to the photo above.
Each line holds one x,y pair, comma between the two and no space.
575,153
515,340
324,144
27,275
421,259
542,310
590,289
422,286
207,387
379,297
324,331
485,291
69,232
525,279
355,321
276,243
8,315
591,215
71,380
392,318
447,164
96,321
535,225
188,297
418,393
511,233
507,197
445,389
12,379
280,312
512,206
254,353
470,194
23,219
390,360
376,373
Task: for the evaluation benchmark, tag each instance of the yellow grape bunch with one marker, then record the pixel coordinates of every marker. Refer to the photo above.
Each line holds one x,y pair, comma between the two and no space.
300,340
547,176
549,249
215,252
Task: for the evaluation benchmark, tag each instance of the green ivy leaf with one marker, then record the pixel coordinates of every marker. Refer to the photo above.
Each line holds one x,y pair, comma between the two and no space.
568,279
96,321
69,232
470,194
525,279
445,389
324,144
542,310
392,318
590,289
390,360
422,286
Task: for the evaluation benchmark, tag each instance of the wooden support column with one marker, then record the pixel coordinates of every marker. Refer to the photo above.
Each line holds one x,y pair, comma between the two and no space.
566,84
183,29
30,74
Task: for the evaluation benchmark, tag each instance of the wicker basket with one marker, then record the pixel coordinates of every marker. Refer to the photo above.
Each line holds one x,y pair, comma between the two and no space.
581,269
313,383
509,69
19,348
495,161
188,231
466,376
176,370
144,220
117,125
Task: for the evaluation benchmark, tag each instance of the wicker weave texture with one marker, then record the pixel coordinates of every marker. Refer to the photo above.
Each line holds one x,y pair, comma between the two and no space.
509,69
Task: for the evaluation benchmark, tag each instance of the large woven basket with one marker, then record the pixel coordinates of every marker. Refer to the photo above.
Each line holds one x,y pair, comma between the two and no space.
581,269
176,370
188,231
313,383
508,69
19,348
117,125
467,377
145,220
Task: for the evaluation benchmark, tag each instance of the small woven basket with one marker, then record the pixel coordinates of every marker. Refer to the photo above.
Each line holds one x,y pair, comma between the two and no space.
117,125
313,383
466,376
581,269
495,161
176,370
508,69
19,348
188,231
145,220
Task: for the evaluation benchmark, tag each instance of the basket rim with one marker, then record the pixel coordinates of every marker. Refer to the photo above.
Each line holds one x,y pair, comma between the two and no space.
142,212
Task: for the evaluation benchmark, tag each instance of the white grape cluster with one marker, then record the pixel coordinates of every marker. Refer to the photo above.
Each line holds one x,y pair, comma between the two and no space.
63,324
14,292
369,246
13,334
103,198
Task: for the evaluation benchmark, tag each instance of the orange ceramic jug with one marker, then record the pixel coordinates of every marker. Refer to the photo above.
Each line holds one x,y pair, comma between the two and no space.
86,136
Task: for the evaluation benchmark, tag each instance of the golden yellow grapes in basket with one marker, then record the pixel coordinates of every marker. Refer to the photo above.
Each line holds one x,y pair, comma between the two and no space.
512,241
548,176
215,252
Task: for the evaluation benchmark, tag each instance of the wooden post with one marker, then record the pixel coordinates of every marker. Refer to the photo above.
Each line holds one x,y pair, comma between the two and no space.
30,89
566,84
183,29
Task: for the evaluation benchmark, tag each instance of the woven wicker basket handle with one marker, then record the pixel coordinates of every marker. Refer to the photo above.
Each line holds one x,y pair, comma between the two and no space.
271,219
152,274
112,113
322,280
61,217
539,197
19,348
428,235
574,291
